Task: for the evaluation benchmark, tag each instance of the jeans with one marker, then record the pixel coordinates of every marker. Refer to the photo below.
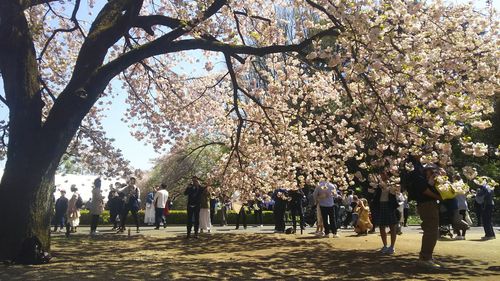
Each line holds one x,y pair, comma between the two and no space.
223,216
487,225
93,223
59,221
429,214
297,210
406,214
193,217
243,215
328,215
112,217
478,211
158,216
258,217
123,218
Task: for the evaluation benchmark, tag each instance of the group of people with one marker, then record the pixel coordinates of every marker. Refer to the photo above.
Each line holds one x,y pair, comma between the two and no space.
158,206
385,206
67,212
122,199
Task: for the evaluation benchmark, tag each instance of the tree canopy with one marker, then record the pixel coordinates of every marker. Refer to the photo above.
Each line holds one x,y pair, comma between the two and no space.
347,83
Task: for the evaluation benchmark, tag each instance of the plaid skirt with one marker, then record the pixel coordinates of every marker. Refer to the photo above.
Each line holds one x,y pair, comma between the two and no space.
384,215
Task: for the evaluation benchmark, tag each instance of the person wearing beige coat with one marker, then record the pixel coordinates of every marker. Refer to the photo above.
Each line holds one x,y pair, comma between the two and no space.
97,206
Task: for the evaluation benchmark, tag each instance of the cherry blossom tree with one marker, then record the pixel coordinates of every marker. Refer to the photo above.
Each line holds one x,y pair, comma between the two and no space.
356,81
57,66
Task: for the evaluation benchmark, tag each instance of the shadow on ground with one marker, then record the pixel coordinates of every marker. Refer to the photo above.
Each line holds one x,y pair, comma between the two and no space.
229,256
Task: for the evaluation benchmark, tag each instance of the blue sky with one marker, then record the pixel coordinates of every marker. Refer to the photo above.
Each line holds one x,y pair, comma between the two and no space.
139,153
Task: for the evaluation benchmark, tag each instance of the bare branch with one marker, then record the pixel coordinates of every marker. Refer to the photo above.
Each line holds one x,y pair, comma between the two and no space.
253,17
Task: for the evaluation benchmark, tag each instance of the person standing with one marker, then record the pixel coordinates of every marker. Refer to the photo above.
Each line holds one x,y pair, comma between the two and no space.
279,208
96,207
462,210
258,205
61,209
160,201
213,206
150,211
324,194
406,210
485,194
114,205
132,195
423,191
384,213
205,222
349,208
242,214
74,205
296,208
193,192
225,205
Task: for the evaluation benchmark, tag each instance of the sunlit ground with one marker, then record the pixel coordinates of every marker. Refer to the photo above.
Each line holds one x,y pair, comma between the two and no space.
256,254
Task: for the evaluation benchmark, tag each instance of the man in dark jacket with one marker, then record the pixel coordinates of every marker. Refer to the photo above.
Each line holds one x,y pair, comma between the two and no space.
296,208
426,196
193,192
280,200
61,208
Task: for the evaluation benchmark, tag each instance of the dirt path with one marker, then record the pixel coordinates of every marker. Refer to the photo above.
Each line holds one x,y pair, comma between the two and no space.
249,256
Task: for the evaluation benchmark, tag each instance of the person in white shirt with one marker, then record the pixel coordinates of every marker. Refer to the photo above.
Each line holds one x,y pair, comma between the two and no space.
160,200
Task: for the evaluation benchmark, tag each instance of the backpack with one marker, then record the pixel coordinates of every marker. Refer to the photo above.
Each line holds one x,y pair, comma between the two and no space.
79,202
32,252
408,183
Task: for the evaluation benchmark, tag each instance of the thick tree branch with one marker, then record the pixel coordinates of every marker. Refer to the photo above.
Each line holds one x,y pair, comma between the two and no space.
32,3
147,22
4,101
164,45
239,128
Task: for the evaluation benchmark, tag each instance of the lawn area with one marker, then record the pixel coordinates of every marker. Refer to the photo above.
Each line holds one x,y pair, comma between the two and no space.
246,256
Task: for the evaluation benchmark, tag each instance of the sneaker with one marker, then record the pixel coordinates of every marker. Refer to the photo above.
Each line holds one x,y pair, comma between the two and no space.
458,237
335,236
261,225
383,250
430,264
390,251
488,238
319,234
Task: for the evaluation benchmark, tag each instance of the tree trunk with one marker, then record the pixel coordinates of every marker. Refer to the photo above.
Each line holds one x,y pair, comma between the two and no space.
26,200
25,208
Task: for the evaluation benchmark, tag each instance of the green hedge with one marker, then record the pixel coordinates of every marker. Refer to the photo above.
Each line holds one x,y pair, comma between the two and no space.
178,217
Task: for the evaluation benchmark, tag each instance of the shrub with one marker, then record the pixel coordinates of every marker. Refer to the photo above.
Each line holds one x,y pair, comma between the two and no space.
178,217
